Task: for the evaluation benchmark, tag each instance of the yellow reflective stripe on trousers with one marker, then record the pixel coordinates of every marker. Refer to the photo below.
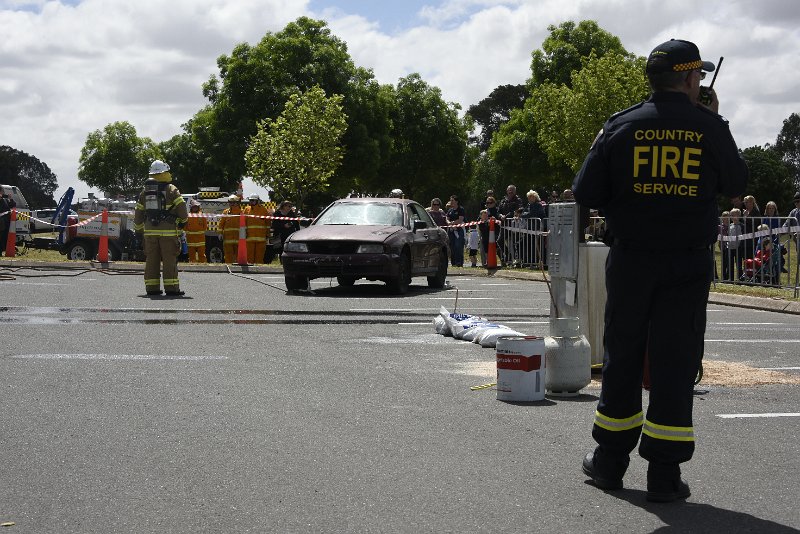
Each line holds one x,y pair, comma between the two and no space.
170,281
617,425
161,233
669,433
152,282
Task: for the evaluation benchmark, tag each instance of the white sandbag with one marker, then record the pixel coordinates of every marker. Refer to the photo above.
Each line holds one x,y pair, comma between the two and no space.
461,328
480,331
489,338
451,320
440,325
477,330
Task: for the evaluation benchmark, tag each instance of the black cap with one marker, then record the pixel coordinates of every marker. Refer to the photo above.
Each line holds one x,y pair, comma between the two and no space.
676,56
797,196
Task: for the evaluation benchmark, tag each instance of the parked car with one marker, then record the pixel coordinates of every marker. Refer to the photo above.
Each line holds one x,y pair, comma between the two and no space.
386,239
47,216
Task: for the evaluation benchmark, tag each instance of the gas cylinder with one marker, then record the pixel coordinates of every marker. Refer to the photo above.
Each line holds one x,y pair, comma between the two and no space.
568,358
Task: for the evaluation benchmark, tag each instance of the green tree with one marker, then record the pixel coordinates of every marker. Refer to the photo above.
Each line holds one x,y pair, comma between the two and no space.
494,111
190,166
115,160
564,49
33,177
518,157
788,146
516,145
770,178
299,151
369,107
255,82
430,143
568,118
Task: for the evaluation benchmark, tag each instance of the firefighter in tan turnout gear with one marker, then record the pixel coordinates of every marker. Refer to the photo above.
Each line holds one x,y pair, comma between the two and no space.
160,216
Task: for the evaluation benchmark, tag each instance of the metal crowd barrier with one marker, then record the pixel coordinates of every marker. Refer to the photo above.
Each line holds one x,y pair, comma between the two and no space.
758,251
523,242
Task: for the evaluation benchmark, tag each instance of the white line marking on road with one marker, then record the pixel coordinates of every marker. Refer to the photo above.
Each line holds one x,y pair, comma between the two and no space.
755,415
116,357
779,368
464,298
752,340
752,324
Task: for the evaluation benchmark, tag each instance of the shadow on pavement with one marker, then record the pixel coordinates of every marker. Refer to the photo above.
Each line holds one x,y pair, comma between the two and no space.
683,516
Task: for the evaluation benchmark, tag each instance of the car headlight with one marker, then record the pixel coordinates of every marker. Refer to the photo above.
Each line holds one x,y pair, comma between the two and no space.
291,246
370,249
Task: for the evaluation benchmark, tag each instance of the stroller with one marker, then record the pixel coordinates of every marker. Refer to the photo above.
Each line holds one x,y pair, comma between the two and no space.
765,267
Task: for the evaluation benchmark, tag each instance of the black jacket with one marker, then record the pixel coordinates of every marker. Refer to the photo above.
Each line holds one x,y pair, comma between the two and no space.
662,158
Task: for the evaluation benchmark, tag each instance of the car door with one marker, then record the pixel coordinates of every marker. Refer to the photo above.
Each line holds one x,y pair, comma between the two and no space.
425,239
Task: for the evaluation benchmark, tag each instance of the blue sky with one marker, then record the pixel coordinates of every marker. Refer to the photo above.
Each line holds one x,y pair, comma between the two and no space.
393,16
69,67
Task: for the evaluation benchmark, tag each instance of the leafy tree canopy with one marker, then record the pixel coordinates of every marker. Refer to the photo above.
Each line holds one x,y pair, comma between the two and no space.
516,147
190,166
568,118
769,178
115,160
788,146
33,177
564,49
495,110
430,143
298,152
255,82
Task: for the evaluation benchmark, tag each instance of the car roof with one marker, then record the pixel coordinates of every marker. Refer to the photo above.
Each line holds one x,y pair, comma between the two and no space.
383,200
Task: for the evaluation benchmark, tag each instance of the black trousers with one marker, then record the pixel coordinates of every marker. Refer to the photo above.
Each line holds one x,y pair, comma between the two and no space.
656,304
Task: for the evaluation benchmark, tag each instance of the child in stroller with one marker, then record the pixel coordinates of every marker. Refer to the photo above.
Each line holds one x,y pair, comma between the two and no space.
764,268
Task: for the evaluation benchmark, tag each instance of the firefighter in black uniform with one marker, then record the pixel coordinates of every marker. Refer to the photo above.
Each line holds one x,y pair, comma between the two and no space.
669,155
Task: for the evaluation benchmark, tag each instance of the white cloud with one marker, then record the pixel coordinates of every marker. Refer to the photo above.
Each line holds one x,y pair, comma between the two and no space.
67,69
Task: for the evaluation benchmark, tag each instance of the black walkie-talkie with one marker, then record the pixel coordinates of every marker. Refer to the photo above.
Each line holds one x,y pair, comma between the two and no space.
705,97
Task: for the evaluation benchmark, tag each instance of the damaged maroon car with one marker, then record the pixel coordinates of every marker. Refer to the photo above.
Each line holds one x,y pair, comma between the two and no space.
386,239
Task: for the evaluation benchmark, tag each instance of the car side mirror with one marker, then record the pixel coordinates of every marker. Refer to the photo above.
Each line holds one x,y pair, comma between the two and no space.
420,225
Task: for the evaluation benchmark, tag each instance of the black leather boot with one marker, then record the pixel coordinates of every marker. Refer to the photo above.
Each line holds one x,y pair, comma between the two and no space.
664,483
605,471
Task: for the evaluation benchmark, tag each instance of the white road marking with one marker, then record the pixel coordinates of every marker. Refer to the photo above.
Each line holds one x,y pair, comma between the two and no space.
752,340
464,298
752,324
779,368
755,415
116,357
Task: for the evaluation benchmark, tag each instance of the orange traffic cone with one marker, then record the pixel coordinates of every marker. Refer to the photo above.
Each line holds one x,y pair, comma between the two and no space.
242,252
102,249
11,242
491,261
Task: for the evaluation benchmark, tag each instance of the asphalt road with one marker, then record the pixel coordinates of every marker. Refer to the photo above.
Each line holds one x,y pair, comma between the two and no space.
240,408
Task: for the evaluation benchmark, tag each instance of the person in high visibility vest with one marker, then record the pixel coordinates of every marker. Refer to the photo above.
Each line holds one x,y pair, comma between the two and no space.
229,228
257,229
195,230
160,216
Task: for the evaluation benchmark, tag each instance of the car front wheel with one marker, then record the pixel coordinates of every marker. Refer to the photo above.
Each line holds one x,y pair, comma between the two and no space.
437,281
296,283
399,285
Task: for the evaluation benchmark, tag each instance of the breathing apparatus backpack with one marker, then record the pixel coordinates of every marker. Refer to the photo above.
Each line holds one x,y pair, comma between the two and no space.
155,201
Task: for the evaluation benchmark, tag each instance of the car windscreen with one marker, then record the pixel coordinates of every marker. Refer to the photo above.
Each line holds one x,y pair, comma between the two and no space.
361,213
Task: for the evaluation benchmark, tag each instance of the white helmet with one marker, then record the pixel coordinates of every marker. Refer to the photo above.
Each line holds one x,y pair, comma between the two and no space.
233,198
158,166
254,197
396,193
